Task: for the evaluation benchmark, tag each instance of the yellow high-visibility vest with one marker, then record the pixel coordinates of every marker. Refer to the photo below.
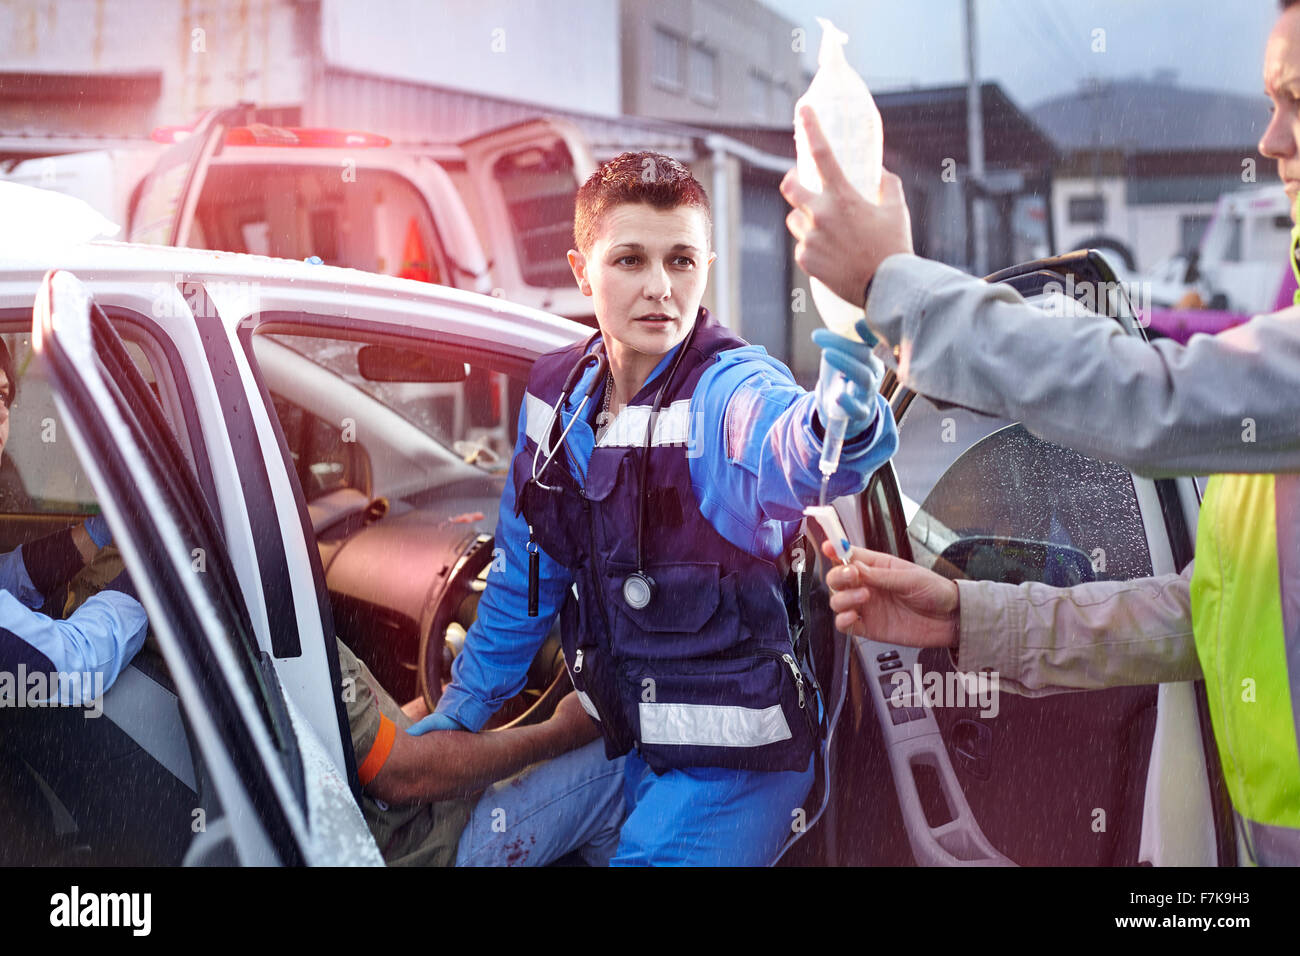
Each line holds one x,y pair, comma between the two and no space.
1245,595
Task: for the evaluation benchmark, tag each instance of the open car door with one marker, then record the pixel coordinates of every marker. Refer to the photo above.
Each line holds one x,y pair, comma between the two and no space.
525,177
164,213
266,788
1122,776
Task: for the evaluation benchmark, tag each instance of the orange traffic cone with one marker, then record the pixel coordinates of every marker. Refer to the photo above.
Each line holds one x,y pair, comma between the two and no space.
415,261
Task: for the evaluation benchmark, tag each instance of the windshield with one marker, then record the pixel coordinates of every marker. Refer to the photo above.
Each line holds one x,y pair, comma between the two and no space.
392,439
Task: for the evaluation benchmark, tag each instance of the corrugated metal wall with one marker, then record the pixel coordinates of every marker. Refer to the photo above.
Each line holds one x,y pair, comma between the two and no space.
415,113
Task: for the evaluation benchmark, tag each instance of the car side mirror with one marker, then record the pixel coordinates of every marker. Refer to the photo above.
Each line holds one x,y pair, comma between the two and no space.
382,363
1016,560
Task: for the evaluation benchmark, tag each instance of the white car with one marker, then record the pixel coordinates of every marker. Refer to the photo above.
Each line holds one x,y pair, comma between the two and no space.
286,451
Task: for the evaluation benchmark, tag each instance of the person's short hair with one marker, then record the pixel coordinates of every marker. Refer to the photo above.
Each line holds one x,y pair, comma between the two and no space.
7,366
646,177
1285,5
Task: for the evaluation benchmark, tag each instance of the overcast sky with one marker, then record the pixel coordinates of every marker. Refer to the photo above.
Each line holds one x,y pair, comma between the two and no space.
1041,48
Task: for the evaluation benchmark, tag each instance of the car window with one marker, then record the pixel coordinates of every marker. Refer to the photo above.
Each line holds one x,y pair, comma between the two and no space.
359,218
323,460
39,470
986,499
346,428
111,780
538,188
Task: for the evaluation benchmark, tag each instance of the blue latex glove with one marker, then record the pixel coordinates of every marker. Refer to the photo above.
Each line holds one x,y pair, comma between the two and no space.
864,372
434,721
97,528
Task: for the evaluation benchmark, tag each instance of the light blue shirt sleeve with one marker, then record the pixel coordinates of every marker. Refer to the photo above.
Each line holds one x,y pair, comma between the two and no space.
503,640
755,467
100,638
15,579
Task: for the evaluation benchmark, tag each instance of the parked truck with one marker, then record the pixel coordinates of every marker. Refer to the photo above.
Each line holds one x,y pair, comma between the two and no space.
492,214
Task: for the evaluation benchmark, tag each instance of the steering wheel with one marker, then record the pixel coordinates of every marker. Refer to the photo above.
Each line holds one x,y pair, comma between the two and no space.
457,603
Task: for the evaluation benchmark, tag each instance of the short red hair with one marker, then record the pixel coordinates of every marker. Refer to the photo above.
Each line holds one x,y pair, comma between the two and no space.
646,177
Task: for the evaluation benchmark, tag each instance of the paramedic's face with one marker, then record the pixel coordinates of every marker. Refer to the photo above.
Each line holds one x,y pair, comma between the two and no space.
646,273
1282,84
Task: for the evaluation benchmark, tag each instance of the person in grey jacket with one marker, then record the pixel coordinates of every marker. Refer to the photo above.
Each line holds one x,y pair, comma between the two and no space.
1224,403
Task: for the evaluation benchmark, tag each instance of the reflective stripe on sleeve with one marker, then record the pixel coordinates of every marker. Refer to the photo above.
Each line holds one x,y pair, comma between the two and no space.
712,725
379,751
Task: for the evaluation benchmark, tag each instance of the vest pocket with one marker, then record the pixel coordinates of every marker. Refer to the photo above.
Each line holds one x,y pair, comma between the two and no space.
694,613
740,712
554,529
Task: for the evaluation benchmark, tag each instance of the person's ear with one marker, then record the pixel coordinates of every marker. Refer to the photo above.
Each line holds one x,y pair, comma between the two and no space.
578,263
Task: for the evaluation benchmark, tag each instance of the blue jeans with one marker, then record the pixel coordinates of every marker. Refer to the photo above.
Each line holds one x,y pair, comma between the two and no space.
579,802
574,802
705,816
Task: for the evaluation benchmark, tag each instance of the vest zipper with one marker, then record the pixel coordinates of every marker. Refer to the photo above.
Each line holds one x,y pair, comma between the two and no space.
798,678
608,729
800,684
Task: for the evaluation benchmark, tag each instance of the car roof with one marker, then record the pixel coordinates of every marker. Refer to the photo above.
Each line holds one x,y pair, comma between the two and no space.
114,262
396,157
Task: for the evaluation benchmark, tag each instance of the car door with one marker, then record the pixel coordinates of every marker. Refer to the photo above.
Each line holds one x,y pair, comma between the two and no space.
1112,777
522,180
163,215
395,483
269,793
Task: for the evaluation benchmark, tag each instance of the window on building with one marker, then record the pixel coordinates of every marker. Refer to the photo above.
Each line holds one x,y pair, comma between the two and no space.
704,74
1233,252
1087,209
666,66
759,95
783,99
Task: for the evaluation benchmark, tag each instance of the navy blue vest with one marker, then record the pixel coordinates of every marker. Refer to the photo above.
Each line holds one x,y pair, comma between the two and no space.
706,675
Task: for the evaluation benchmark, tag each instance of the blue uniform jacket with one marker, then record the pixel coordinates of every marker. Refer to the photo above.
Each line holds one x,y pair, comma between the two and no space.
101,636
753,463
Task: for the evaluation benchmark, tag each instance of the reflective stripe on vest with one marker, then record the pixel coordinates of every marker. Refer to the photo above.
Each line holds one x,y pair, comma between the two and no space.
627,430
537,419
1245,595
712,725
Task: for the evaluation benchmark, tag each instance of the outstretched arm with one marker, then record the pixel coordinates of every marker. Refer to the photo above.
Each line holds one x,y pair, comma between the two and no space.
755,447
1222,403
1039,639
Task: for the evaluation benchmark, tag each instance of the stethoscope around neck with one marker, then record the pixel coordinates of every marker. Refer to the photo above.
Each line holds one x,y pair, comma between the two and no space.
638,586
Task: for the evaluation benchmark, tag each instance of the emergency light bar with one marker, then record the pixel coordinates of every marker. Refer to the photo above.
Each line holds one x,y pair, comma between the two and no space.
259,134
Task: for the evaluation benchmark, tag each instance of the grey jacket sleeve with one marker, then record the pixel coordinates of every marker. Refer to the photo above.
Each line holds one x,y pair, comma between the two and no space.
1223,403
1044,640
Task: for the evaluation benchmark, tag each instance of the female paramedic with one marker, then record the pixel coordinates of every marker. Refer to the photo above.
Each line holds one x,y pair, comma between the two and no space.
661,472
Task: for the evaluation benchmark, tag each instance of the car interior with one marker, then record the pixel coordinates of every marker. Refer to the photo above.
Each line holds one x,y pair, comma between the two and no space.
124,787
